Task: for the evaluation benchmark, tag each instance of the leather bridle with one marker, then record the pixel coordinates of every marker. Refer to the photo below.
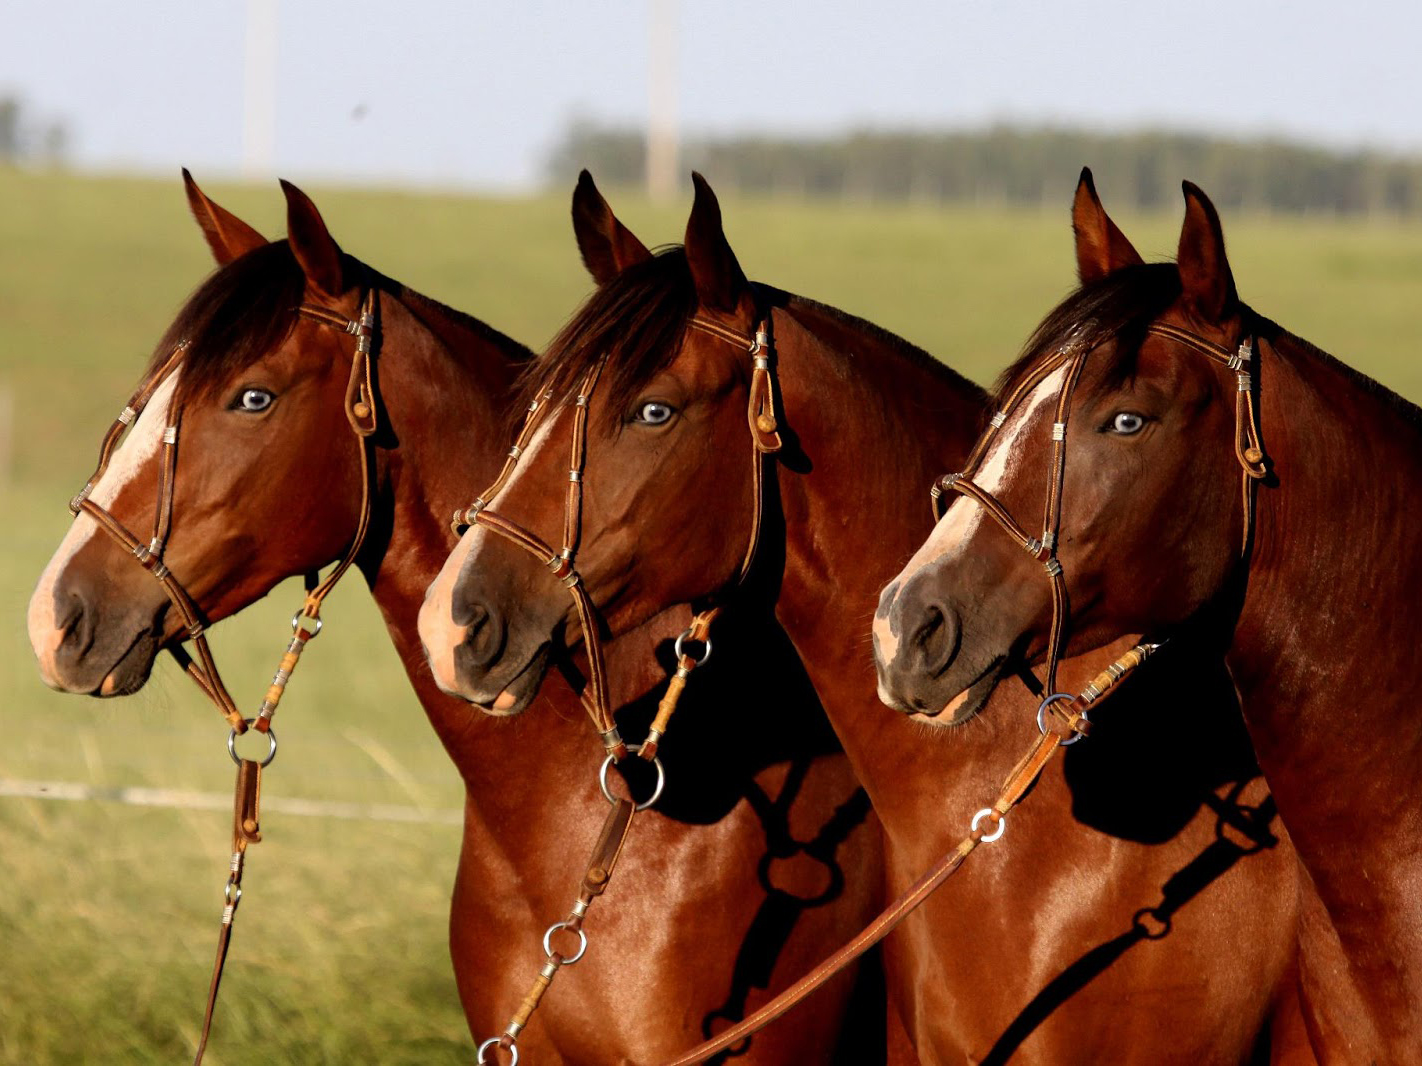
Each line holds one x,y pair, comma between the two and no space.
1071,358
360,408
561,564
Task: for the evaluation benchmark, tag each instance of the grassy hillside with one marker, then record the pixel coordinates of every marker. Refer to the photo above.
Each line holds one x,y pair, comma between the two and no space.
107,912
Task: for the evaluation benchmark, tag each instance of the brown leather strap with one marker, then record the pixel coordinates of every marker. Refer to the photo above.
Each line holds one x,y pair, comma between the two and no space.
1018,782
599,871
699,630
608,848
1248,446
1026,771
560,563
224,938
875,932
246,829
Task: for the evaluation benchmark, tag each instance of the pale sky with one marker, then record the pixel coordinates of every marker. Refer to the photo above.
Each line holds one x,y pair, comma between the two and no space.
472,94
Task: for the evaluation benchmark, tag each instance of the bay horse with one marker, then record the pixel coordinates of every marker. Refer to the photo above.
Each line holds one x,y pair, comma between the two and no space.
1223,479
1135,917
750,864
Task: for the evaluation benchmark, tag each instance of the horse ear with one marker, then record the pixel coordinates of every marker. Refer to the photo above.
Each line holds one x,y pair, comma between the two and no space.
608,247
312,244
1205,277
1101,247
720,284
227,235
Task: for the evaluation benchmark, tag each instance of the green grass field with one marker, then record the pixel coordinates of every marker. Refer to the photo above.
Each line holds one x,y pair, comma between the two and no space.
108,912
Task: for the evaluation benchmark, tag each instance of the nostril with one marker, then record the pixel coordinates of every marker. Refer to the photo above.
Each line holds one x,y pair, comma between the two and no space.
936,641
67,616
469,615
75,625
467,611
483,637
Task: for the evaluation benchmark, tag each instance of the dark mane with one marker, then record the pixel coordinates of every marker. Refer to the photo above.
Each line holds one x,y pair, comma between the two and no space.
1118,306
240,313
246,309
641,316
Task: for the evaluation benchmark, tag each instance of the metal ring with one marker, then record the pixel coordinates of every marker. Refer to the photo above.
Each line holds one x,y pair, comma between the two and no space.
1042,716
582,942
296,619
687,636
493,1042
232,745
1001,824
656,793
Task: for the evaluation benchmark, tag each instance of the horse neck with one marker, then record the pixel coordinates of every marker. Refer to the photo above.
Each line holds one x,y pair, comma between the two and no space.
443,379
877,422
1329,701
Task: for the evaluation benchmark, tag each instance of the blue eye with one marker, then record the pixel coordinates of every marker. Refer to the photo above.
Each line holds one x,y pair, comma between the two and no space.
653,413
1127,423
253,401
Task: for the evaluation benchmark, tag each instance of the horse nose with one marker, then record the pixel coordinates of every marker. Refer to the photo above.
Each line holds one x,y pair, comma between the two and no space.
916,636
63,624
484,634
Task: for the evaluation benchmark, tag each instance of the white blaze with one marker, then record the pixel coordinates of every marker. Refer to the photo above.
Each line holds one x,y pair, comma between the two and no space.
140,445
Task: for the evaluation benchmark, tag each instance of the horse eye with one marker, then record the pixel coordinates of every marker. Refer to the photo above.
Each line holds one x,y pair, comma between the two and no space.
654,413
253,401
1127,423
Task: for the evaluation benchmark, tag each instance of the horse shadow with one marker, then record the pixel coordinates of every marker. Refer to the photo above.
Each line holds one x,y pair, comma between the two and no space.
1171,742
750,727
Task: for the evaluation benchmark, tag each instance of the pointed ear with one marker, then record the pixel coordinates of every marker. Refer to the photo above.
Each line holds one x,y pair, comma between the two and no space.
608,247
1101,248
1205,277
311,243
227,235
720,284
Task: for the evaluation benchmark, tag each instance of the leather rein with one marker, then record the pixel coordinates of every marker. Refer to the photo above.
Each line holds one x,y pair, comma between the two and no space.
360,410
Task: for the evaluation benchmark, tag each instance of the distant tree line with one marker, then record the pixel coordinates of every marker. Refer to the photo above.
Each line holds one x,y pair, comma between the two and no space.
1019,166
24,139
